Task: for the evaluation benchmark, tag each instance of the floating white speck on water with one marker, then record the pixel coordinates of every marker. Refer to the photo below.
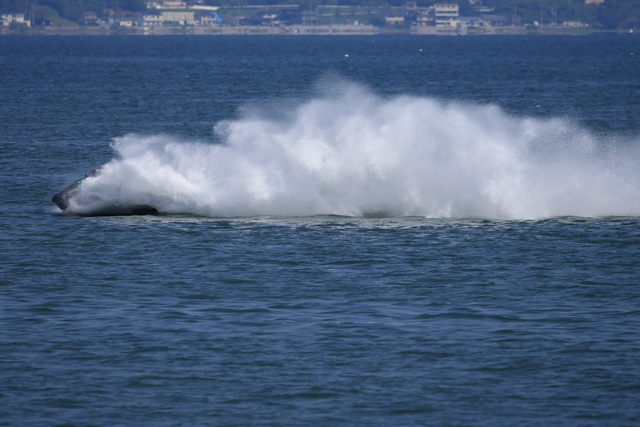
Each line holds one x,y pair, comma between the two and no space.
346,55
354,153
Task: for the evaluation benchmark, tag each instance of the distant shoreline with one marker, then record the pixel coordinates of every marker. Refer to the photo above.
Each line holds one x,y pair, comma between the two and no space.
299,30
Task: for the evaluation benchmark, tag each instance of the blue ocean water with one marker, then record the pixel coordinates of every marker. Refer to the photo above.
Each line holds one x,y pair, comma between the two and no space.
352,231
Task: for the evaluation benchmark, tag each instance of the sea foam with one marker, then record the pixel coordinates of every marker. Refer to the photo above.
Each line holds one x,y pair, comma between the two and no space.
356,153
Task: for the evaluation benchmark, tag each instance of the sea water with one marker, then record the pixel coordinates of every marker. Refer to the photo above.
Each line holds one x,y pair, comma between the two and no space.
351,231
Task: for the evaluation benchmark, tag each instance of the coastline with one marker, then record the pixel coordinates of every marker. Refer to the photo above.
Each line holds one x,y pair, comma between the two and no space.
301,30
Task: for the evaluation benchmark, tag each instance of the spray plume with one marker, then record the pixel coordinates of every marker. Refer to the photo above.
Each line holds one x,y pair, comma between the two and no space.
355,153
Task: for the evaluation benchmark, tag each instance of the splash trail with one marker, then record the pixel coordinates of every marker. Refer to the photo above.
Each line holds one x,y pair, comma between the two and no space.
359,154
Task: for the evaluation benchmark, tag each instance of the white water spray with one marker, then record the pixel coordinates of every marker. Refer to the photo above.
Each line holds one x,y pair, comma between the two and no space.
359,154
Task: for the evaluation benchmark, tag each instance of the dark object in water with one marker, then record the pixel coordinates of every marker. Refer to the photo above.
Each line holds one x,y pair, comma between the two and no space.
62,198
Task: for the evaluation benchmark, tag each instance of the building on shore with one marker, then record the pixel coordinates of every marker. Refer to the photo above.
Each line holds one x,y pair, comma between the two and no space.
17,18
446,14
424,17
574,24
88,18
188,17
150,19
394,17
122,22
178,17
496,20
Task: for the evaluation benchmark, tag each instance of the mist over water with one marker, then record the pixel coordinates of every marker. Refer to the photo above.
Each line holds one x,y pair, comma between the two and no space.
352,152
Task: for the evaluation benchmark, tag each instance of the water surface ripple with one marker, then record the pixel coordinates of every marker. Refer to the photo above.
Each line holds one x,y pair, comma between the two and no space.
374,318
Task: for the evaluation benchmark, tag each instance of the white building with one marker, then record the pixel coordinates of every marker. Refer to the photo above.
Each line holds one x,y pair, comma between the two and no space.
121,22
167,17
446,14
149,19
424,18
394,17
207,20
153,4
472,22
172,5
574,24
179,5
18,18
178,17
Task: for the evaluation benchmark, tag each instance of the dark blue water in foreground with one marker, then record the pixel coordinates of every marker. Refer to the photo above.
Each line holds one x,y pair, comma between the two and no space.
193,317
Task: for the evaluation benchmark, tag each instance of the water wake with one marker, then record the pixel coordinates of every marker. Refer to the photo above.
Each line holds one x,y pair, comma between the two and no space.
357,154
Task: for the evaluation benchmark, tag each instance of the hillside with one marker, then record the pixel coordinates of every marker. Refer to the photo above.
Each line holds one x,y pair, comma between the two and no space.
610,14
